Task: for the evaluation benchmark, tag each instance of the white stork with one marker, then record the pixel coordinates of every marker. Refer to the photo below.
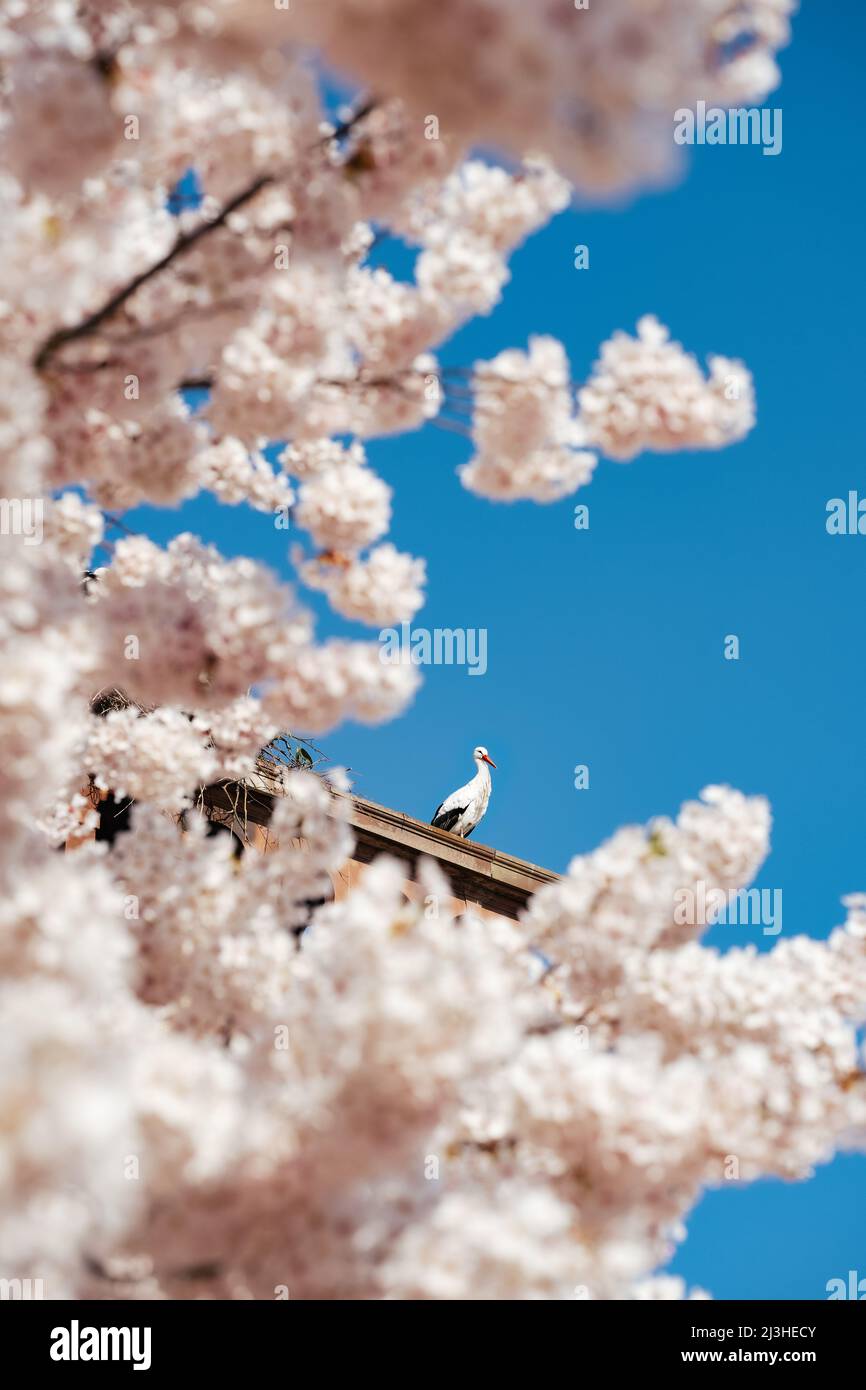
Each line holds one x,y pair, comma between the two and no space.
462,810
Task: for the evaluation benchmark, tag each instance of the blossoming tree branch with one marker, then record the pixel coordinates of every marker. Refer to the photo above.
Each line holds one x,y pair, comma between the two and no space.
280,1106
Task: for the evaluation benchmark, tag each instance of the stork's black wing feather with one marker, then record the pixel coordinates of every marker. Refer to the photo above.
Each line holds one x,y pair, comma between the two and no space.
449,819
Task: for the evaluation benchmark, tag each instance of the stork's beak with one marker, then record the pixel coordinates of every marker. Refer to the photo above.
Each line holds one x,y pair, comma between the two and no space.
488,760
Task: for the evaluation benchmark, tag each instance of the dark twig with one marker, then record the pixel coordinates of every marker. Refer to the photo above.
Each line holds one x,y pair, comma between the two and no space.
342,130
182,245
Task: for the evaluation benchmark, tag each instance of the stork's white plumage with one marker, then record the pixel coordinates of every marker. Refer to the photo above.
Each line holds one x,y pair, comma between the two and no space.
462,810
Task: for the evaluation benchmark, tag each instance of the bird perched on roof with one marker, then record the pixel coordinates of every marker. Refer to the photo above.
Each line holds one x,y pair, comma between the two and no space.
462,810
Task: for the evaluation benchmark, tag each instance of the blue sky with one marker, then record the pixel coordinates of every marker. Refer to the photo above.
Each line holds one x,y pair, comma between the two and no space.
605,646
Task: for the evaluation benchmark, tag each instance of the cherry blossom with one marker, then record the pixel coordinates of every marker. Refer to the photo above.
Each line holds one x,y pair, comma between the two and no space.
228,470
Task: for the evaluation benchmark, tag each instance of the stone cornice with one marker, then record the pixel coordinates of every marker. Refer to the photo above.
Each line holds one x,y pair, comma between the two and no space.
477,873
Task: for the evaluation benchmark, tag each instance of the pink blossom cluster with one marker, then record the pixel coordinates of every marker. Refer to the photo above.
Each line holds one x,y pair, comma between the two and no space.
345,507
645,393
594,86
217,1079
234,475
406,1106
382,589
527,436
159,757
